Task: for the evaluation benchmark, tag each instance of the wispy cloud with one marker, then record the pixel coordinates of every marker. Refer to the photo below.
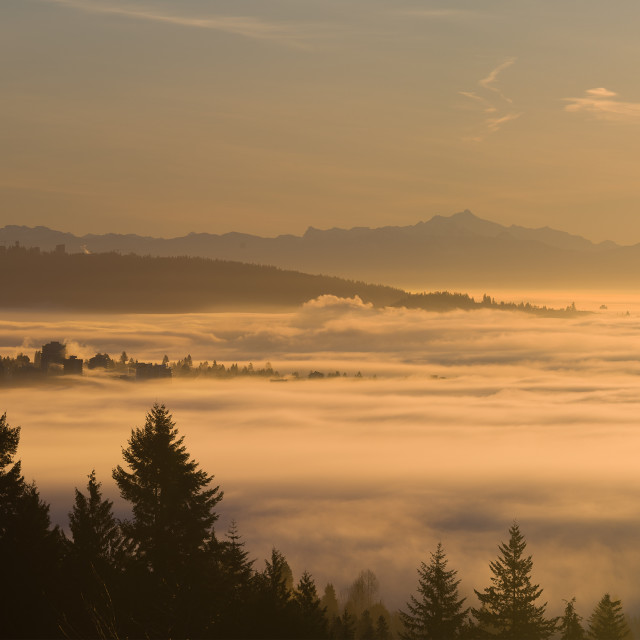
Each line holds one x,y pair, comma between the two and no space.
603,104
487,101
490,81
437,13
244,26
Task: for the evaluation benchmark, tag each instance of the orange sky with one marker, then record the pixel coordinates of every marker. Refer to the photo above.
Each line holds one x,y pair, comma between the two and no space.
168,117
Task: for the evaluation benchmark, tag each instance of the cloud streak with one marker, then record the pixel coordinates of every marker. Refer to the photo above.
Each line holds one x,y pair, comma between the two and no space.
603,104
486,101
248,27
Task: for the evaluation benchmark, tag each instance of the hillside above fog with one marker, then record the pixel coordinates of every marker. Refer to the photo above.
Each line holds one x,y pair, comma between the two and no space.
459,251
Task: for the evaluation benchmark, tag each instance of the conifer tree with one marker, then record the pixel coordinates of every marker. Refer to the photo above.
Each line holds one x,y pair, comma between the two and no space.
365,629
96,534
94,564
329,602
570,627
313,623
171,529
508,610
30,550
173,510
607,622
274,609
382,629
439,613
347,626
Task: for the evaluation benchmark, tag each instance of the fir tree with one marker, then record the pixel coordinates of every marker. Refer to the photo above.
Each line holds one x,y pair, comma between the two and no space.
173,511
92,565
235,586
30,550
570,627
329,602
365,629
347,626
96,534
607,622
172,527
313,623
382,629
439,613
508,610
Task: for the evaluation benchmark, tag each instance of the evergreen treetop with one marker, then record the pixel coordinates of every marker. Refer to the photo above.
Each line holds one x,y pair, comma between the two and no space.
439,613
508,610
173,511
570,627
607,622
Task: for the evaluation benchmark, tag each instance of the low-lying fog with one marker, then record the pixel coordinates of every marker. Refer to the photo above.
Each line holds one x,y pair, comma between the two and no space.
474,419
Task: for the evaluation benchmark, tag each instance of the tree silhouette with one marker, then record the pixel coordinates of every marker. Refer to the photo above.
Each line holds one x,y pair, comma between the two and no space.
570,627
96,534
94,563
172,525
30,550
439,613
382,629
508,608
313,623
607,622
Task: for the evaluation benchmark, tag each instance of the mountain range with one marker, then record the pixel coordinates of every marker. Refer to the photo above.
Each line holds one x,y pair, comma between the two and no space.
458,251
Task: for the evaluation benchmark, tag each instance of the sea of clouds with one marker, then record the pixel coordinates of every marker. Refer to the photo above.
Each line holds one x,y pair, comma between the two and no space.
462,422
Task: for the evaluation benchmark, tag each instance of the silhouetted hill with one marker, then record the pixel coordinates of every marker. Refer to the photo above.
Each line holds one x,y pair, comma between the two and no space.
111,282
460,251
30,278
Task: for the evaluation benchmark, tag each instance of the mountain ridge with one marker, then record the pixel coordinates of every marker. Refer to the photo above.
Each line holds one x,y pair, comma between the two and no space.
461,250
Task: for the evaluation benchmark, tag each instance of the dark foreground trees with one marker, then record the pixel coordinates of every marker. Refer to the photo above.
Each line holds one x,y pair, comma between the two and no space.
438,613
171,532
30,550
508,607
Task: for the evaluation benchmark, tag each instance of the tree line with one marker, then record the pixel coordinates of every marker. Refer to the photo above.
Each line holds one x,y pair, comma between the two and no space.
164,573
116,283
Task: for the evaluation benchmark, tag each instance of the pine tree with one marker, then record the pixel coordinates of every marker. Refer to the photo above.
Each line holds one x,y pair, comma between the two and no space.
173,511
607,622
171,529
329,602
347,626
235,589
365,629
274,610
96,534
30,550
508,610
570,626
439,613
382,629
313,623
92,564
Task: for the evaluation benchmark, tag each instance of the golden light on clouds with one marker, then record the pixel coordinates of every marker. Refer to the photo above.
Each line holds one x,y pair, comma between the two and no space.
605,105
474,419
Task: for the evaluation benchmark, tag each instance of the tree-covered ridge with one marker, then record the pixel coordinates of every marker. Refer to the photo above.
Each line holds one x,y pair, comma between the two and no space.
115,283
166,572
22,370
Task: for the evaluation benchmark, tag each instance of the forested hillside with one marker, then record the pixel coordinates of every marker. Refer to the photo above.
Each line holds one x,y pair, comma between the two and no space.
111,282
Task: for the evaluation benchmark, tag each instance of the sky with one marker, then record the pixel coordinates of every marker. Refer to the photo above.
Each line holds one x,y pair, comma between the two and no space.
474,419
269,116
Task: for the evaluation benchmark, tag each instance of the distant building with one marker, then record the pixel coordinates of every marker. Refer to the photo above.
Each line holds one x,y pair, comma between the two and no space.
73,366
60,248
52,353
101,361
148,371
